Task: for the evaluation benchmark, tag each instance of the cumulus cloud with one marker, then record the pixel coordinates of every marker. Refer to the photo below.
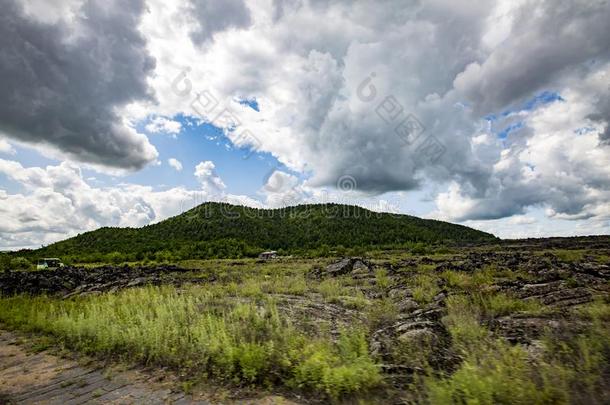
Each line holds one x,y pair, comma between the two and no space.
175,163
210,182
333,101
164,126
6,147
283,189
308,85
554,163
397,96
65,82
548,43
57,202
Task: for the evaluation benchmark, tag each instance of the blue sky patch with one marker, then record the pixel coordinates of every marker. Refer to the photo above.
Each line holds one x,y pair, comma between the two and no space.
252,103
511,128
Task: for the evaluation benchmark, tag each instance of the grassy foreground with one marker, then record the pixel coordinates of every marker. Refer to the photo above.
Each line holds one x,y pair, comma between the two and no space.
238,330
249,342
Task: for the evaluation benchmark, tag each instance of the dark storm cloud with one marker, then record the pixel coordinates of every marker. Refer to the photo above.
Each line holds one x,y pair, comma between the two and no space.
62,85
549,39
217,16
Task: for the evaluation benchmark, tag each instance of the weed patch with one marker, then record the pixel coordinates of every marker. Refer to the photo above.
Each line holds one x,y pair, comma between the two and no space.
243,343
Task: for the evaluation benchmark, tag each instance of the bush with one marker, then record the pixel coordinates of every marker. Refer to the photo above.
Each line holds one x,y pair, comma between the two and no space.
499,376
20,263
115,257
346,371
381,279
5,261
569,369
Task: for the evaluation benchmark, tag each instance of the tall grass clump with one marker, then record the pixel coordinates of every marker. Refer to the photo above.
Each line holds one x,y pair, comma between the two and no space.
244,342
570,367
424,288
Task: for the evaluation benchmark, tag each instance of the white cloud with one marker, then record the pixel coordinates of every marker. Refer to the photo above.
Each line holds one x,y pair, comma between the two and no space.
57,202
175,163
312,117
210,182
549,164
6,147
446,62
164,125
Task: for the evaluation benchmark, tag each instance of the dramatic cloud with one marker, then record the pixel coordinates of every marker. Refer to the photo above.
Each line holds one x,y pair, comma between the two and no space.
65,83
397,96
216,16
548,43
494,112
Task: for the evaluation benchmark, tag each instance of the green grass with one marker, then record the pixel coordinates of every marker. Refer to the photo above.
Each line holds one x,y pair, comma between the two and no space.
456,279
382,313
500,304
424,288
235,329
382,279
332,288
247,342
568,370
569,256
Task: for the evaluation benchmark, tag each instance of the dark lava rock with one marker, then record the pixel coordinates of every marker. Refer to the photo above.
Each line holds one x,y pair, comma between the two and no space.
70,281
359,268
419,330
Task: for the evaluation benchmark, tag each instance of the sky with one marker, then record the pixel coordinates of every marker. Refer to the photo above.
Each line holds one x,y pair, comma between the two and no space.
124,113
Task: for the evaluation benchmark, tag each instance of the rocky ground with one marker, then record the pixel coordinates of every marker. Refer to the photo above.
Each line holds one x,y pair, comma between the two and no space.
525,270
555,276
69,281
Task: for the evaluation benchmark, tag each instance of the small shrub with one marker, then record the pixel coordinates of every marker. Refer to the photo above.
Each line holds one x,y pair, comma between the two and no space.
337,373
382,313
331,288
356,301
20,263
497,376
483,277
596,310
499,304
279,284
463,322
456,279
382,280
424,288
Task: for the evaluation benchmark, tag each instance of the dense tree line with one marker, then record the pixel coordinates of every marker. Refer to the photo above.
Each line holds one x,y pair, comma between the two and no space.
219,230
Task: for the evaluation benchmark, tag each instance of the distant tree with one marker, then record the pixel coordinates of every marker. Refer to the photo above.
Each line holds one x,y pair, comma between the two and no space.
340,250
5,261
114,257
207,231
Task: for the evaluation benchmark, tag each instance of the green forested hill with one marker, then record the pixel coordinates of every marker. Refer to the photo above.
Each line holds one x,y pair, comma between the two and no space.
224,230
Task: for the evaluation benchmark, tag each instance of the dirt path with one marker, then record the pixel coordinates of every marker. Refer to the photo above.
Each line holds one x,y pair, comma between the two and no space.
40,378
43,378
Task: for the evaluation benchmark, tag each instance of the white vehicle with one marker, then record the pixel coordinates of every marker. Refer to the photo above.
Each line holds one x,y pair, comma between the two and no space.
49,263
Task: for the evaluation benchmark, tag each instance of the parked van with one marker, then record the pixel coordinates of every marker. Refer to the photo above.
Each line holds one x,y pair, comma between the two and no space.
49,263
